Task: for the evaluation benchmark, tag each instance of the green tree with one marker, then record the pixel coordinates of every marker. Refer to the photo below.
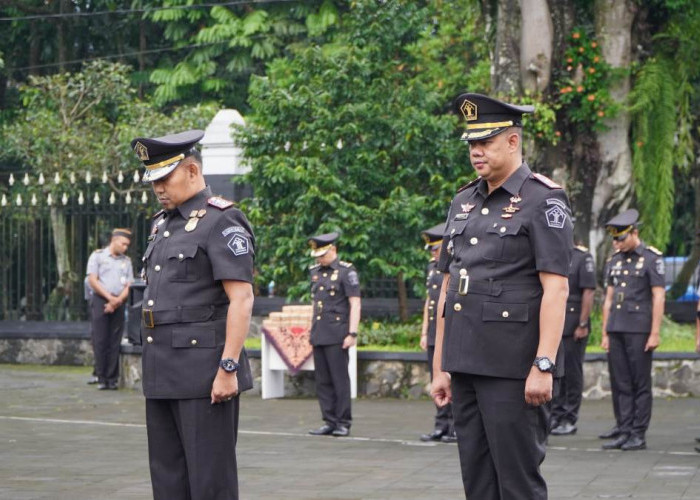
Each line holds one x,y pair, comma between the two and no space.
75,130
351,136
224,45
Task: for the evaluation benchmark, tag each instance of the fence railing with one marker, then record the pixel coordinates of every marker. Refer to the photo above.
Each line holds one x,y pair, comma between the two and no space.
45,248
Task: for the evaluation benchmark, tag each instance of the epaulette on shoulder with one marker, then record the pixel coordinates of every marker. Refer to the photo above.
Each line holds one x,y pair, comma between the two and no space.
313,267
345,263
655,250
546,181
158,214
469,184
99,250
220,203
581,248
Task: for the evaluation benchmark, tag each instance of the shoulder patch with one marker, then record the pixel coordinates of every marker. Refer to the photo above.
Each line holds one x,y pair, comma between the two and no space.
469,184
655,250
313,267
158,214
220,203
546,181
345,263
581,248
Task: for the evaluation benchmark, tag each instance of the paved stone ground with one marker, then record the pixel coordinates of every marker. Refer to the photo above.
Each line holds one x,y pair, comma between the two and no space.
63,440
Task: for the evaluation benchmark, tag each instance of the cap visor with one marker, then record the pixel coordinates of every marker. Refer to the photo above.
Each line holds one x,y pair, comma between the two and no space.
320,252
479,134
159,173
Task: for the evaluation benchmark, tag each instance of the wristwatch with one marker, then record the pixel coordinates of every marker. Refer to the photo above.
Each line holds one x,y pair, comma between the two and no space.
353,334
583,324
544,364
229,365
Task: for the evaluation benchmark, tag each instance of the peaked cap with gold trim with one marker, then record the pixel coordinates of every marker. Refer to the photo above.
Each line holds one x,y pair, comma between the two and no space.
487,117
321,243
623,223
161,155
433,236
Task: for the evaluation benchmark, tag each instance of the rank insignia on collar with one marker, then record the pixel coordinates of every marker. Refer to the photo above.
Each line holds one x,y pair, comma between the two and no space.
219,202
467,207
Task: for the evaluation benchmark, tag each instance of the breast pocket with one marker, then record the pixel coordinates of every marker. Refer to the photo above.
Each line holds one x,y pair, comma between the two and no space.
181,263
505,242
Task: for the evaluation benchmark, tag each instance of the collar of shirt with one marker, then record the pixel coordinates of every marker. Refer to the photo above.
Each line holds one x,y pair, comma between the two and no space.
639,250
513,184
194,203
333,265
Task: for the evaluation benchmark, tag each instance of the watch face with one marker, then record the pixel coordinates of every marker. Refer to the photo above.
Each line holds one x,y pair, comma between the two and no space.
544,364
228,365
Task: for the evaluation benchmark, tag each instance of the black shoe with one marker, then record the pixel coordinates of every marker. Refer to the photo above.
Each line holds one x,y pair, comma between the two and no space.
564,429
341,431
112,386
449,438
611,434
102,387
324,430
617,443
93,380
634,443
433,436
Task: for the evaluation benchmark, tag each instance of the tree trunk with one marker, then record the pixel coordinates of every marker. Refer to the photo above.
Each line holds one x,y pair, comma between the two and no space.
535,46
505,66
680,285
63,264
402,296
613,189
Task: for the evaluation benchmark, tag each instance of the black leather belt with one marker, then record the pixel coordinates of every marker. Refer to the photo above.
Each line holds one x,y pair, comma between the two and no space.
185,314
494,288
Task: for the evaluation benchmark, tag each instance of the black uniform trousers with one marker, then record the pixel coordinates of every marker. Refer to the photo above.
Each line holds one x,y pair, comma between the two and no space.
501,439
631,380
333,384
443,415
567,401
192,448
106,339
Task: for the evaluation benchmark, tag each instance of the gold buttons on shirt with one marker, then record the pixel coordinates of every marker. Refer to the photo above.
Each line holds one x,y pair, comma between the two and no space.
623,284
434,286
484,211
503,229
571,309
474,240
432,302
193,342
318,318
618,306
332,293
180,256
150,302
149,339
337,318
505,314
325,274
319,303
157,268
458,307
625,272
321,288
166,234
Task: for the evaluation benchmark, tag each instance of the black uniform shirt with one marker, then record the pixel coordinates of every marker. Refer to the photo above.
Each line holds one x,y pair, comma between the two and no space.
632,275
501,242
191,250
581,277
330,288
433,282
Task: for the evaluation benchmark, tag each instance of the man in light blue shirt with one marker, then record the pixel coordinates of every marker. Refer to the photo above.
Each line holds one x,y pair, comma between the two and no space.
109,273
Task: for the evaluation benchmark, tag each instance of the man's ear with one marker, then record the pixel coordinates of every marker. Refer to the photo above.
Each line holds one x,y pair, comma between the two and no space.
193,169
513,140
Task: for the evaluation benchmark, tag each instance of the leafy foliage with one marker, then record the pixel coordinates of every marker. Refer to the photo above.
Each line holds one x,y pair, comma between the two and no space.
348,136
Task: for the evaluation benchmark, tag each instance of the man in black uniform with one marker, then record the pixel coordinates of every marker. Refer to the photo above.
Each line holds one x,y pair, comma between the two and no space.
567,401
632,313
197,305
335,292
444,429
505,259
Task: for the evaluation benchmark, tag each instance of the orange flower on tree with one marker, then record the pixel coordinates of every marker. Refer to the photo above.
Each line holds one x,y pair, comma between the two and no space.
591,97
576,35
579,88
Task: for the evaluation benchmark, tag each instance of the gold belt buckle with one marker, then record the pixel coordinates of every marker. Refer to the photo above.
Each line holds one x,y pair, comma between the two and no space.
148,318
620,297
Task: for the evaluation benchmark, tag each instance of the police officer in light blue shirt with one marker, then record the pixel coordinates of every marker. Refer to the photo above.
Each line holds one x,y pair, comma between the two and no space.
109,274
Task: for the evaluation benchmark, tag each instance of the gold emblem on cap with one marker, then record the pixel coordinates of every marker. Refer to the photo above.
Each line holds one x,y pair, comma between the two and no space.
141,151
469,110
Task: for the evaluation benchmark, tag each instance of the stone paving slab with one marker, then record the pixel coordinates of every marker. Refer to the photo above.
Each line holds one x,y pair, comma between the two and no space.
61,439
